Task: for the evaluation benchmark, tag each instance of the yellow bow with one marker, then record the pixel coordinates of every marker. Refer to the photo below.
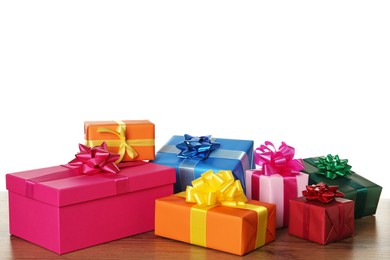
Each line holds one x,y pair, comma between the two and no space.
124,147
216,188
213,189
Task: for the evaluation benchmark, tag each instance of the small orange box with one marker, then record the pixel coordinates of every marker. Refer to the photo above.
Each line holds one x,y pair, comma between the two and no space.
133,139
232,230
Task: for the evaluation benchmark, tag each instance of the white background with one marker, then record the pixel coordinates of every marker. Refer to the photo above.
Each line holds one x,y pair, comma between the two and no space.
311,73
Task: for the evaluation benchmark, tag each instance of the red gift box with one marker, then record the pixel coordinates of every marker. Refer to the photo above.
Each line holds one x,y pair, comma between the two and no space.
319,222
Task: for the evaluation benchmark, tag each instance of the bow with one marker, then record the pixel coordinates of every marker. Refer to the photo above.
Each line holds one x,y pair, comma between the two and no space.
215,189
93,160
124,147
322,192
332,166
196,147
280,161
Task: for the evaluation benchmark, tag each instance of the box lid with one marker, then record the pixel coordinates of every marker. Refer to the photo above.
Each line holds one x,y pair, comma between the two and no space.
60,186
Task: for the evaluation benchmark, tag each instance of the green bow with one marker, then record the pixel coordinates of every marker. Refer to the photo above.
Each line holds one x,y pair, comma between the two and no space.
332,167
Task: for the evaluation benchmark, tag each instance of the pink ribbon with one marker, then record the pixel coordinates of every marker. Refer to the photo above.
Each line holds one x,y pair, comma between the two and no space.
94,160
89,161
280,161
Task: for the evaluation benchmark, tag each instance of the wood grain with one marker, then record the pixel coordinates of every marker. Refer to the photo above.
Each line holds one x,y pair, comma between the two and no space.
371,241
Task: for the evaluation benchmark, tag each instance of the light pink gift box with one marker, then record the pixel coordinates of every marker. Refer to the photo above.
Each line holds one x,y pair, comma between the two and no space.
276,189
61,211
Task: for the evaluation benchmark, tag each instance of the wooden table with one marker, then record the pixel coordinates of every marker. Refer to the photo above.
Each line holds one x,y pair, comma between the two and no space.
371,241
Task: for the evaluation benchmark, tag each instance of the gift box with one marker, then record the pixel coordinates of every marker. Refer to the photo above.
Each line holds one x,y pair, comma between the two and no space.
231,154
321,222
233,227
365,193
61,210
132,139
275,189
277,180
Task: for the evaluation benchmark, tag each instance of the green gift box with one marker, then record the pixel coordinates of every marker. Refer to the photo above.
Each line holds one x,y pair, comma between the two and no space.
365,193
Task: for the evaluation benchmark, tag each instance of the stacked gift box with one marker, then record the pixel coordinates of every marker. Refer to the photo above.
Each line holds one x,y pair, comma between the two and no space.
107,192
194,189
335,171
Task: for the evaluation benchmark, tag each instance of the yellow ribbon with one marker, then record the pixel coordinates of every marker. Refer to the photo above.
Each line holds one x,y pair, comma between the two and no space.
262,219
123,144
214,189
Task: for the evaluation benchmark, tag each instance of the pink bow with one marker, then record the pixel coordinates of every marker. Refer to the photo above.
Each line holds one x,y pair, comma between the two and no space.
277,162
94,160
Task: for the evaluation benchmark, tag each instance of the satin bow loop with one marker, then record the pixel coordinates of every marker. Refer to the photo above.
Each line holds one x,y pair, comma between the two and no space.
215,189
196,147
124,147
332,166
279,161
322,192
91,160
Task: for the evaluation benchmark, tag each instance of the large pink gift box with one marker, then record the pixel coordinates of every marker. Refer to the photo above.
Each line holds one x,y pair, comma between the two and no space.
64,211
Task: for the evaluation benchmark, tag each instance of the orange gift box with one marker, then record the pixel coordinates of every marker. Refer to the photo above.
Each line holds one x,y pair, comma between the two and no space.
132,139
229,229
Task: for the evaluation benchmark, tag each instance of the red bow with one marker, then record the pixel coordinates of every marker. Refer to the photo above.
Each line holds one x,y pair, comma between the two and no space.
322,192
93,160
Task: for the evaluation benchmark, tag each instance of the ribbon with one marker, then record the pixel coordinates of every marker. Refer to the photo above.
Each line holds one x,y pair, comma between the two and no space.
219,189
196,147
94,160
268,191
322,192
280,161
332,166
342,223
214,189
124,147
88,161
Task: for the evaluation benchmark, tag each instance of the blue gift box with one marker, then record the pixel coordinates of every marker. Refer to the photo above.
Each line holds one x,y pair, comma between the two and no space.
234,155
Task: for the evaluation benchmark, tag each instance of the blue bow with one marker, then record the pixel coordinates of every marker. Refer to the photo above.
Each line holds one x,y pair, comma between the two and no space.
196,147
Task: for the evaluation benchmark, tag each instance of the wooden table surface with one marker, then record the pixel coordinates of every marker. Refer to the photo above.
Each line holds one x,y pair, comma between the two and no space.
371,241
